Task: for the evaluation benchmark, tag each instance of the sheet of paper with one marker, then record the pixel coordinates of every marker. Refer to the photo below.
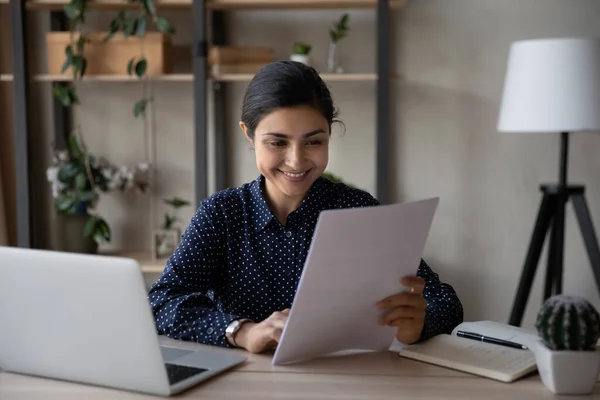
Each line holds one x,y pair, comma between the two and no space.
357,257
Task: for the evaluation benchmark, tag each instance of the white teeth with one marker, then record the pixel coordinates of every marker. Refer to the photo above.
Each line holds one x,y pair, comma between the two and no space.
295,175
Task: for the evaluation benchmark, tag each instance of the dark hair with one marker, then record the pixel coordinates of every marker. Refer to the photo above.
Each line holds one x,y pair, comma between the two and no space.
285,84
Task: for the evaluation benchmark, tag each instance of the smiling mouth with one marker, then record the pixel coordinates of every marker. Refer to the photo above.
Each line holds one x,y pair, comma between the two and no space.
295,175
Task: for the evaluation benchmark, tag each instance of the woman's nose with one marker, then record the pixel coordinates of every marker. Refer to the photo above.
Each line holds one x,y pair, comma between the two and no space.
296,157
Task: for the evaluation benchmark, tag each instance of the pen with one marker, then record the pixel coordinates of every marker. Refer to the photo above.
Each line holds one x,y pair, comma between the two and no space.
487,339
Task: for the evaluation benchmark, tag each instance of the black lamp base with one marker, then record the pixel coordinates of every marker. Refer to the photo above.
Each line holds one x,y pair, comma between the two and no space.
552,212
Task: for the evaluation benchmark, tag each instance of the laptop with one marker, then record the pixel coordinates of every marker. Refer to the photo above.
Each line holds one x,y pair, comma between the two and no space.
87,319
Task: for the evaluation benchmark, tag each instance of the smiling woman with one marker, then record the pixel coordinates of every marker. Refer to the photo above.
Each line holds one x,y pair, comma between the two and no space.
232,279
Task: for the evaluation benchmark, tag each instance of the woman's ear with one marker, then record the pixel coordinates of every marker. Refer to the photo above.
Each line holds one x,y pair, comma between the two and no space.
244,129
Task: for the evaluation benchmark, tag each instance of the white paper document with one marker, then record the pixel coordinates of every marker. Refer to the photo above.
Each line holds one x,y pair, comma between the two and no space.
357,257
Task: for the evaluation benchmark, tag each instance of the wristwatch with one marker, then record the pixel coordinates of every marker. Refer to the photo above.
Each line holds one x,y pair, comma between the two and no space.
232,329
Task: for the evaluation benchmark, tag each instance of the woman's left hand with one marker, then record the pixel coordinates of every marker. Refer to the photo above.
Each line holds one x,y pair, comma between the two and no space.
406,310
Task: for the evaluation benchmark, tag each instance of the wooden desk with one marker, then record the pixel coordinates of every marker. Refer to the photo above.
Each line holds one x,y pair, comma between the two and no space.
368,376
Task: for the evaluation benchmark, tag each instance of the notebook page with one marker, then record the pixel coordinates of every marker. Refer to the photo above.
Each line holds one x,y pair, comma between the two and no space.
472,356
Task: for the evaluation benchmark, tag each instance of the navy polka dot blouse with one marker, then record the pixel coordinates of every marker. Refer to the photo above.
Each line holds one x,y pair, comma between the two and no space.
236,260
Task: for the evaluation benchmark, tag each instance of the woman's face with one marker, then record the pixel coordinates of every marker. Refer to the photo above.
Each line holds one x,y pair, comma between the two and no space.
292,150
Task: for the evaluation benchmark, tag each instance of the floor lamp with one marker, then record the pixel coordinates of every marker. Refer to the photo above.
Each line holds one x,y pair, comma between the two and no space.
553,86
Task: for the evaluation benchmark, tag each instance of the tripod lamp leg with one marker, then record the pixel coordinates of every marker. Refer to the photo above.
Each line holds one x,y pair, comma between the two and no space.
538,236
587,231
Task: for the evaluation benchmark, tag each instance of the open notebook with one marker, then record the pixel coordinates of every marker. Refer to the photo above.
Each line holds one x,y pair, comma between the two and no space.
492,361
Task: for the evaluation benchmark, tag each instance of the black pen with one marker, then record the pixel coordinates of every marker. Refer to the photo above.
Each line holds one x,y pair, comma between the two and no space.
487,339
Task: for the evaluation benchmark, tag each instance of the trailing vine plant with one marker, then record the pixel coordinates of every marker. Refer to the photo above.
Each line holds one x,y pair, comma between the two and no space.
130,22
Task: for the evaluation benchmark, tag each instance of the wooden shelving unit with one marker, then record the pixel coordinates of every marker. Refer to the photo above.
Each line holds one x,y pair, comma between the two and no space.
205,15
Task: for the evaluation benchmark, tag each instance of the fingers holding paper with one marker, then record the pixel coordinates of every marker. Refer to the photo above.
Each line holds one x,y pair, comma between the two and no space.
406,310
258,337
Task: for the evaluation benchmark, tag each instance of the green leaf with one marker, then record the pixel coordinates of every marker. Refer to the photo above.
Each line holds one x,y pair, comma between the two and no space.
140,107
130,27
66,65
81,180
149,6
301,48
130,65
79,65
71,11
177,202
90,226
72,97
141,27
87,196
110,35
64,204
163,25
74,147
80,44
67,172
102,230
140,67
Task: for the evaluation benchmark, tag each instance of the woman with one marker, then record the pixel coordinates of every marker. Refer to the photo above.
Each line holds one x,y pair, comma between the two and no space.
232,279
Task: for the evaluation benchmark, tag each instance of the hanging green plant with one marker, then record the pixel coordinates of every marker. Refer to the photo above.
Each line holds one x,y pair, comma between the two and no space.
130,22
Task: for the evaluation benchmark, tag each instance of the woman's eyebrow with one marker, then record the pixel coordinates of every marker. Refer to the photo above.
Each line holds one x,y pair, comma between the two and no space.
284,136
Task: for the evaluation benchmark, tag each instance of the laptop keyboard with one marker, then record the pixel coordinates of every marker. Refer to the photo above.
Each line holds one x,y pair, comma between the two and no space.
177,373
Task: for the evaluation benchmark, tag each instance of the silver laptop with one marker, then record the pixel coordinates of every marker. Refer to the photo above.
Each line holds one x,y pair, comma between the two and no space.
87,319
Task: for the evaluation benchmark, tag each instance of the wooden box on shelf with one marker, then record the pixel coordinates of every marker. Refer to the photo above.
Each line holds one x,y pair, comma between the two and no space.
111,57
238,59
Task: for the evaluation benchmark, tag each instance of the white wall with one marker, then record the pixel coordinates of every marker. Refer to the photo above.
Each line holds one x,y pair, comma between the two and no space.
452,55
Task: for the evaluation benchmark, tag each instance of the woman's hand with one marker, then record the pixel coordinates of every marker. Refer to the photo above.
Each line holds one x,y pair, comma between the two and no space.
258,337
406,310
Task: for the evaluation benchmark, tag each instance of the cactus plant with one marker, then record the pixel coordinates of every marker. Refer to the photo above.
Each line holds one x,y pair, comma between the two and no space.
567,322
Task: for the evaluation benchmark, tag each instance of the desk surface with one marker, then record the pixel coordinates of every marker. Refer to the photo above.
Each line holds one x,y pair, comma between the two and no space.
373,376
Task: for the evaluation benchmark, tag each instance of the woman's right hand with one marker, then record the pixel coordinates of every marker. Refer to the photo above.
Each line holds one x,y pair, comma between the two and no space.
265,335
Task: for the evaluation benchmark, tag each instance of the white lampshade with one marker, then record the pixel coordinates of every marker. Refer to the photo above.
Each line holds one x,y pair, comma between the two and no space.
552,85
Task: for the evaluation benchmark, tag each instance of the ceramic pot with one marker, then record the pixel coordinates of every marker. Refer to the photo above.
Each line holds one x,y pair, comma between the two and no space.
567,372
70,236
303,58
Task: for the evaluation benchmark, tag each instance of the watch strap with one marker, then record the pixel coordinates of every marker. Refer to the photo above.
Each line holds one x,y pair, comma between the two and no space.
233,327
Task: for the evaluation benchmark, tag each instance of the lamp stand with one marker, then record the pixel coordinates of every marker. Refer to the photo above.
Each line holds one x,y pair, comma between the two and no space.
552,212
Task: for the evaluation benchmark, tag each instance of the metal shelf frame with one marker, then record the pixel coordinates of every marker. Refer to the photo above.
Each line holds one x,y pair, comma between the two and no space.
201,81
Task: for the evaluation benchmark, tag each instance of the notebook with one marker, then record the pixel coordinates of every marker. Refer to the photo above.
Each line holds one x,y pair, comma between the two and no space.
492,361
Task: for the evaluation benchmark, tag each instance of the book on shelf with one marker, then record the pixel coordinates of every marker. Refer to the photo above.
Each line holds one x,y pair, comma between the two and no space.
501,363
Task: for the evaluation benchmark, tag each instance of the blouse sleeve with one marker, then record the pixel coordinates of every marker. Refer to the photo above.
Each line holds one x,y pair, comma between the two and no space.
444,309
180,299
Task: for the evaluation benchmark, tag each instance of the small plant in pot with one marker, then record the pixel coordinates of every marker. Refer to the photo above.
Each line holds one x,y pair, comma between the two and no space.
336,34
166,239
301,53
567,357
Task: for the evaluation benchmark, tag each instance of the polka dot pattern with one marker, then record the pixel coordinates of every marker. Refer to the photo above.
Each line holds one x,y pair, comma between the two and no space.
236,260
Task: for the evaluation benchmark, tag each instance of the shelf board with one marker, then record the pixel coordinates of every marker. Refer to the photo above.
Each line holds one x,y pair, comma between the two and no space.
147,264
115,78
4,1
326,77
6,78
104,4
359,77
224,4
297,4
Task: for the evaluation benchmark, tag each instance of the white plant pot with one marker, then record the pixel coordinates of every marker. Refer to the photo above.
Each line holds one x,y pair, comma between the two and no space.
303,58
567,372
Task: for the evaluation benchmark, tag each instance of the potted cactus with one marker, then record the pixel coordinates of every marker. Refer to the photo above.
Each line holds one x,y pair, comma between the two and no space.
567,357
